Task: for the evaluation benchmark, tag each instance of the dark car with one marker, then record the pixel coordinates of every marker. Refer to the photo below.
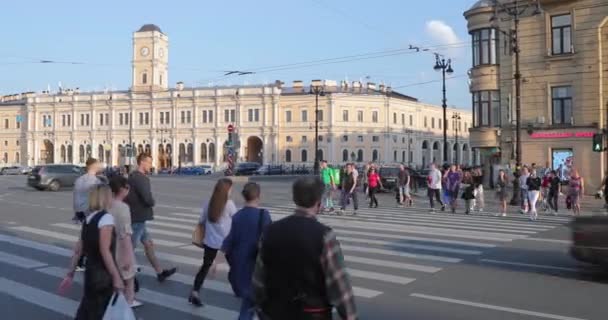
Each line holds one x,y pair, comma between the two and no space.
590,239
246,168
53,177
389,176
270,170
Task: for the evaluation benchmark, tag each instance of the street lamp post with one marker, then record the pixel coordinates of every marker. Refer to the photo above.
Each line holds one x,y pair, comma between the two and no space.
515,10
317,89
445,66
409,146
456,121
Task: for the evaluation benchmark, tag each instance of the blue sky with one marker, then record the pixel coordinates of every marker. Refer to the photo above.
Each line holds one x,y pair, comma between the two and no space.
207,37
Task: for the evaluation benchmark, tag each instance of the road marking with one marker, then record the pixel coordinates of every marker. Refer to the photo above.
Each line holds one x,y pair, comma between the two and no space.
365,293
548,240
209,284
36,245
347,248
46,233
493,307
379,276
160,242
19,261
445,232
410,245
170,225
38,297
391,264
529,265
414,238
164,300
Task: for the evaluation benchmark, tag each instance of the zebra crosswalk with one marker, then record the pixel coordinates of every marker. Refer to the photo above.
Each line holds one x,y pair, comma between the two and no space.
386,249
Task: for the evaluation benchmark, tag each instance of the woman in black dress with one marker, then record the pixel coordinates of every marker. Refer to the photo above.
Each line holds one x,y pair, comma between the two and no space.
97,243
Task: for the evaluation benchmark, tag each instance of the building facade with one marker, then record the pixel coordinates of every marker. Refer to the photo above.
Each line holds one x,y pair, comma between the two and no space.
563,48
273,123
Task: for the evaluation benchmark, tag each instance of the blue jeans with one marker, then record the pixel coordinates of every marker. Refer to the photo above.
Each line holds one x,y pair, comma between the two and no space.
140,233
247,309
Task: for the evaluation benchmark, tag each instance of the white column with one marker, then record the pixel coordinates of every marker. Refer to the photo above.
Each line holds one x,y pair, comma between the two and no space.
196,157
175,152
219,150
36,151
275,156
265,149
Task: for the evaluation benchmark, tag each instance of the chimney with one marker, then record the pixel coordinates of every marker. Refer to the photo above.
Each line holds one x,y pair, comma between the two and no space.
382,88
371,86
343,84
356,84
179,86
298,86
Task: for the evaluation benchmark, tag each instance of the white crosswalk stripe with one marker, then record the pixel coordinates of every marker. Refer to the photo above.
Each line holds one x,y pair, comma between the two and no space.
382,247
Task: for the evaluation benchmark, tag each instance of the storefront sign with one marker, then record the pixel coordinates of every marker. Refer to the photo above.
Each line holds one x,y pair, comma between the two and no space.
559,135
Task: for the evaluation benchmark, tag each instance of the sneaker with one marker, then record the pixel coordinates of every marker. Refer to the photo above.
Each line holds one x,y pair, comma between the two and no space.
480,210
355,212
165,274
432,210
136,304
80,269
443,207
504,214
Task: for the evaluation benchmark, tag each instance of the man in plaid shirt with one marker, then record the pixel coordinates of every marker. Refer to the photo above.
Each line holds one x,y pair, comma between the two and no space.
300,271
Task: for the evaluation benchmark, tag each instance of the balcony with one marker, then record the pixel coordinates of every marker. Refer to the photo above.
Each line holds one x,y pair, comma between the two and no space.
484,137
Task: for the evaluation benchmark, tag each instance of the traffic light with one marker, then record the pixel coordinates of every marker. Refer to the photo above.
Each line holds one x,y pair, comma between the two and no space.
598,142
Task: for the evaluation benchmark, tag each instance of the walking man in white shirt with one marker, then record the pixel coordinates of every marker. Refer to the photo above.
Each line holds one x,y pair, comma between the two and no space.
434,187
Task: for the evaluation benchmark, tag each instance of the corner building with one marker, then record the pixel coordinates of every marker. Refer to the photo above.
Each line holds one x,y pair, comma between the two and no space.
564,86
274,123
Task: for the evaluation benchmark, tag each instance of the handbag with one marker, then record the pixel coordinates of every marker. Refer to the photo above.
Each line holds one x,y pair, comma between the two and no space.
118,309
198,234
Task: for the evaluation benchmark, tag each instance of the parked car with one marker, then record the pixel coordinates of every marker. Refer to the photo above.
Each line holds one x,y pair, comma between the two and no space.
389,177
270,170
54,177
14,170
246,168
590,239
206,169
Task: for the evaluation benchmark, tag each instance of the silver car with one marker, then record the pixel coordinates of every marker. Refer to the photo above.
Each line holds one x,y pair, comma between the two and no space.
14,170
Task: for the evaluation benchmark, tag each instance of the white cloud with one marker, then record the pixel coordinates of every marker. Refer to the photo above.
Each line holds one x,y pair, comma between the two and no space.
443,34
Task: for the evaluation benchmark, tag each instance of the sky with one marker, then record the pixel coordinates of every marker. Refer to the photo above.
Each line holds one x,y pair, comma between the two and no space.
207,38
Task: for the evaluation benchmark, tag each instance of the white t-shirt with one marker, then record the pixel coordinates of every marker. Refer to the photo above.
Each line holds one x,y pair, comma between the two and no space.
435,179
106,220
215,232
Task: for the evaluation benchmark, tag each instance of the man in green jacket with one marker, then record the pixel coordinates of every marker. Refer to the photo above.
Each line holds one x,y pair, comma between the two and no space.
329,185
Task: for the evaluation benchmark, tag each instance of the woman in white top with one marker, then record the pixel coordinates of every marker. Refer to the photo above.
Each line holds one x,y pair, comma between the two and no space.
216,216
125,256
97,242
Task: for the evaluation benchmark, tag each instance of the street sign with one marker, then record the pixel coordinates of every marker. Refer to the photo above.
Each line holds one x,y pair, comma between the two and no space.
230,128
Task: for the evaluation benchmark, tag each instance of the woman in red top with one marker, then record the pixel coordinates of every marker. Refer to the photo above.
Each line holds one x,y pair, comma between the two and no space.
374,184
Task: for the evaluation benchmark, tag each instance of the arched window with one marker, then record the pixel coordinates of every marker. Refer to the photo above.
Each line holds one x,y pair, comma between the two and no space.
89,152
319,155
81,154
100,153
360,155
63,154
190,153
203,152
17,158
375,155
144,78
148,150
5,157
287,155
182,152
212,152
140,149
403,156
304,156
70,154
395,156
345,155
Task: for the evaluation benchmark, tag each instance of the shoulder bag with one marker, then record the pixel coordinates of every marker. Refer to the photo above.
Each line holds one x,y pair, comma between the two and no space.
198,234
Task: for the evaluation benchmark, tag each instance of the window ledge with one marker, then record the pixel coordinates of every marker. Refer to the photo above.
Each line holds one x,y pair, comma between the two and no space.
561,57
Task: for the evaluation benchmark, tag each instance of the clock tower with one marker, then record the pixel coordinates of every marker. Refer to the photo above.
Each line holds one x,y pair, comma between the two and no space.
150,59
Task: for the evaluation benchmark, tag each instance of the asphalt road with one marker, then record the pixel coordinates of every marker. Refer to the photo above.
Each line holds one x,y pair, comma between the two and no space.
404,263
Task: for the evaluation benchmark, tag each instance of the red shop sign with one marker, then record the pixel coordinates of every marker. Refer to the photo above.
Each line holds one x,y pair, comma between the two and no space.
559,135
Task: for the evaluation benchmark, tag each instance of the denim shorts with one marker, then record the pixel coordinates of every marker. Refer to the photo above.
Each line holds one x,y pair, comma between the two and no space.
140,233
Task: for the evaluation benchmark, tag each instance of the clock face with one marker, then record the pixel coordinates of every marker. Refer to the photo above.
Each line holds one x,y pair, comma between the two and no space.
161,52
145,51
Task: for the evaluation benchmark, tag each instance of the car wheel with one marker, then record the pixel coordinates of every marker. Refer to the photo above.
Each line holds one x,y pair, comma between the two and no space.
54,185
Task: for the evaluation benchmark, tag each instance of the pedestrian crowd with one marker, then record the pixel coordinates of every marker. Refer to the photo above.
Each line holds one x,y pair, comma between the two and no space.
290,269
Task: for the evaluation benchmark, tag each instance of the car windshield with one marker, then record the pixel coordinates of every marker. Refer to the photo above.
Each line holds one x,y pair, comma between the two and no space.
385,172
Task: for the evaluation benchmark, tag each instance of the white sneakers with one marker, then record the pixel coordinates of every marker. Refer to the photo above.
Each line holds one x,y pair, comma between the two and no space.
136,304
